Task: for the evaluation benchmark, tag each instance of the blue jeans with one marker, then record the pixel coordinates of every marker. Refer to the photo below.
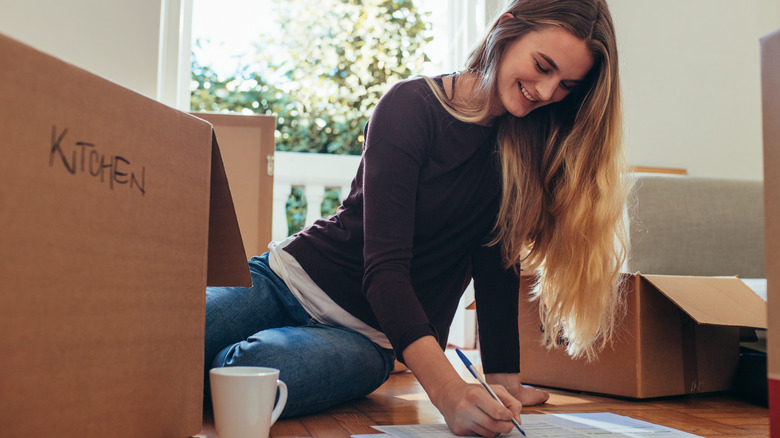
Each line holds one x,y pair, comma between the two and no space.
265,325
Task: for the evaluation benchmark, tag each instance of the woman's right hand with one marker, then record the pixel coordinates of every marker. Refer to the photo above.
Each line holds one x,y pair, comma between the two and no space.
468,409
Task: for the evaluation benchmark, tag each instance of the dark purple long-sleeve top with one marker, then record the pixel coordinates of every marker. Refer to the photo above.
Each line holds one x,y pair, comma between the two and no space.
401,250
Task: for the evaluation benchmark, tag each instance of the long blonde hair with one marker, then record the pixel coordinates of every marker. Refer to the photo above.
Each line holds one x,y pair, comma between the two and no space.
564,176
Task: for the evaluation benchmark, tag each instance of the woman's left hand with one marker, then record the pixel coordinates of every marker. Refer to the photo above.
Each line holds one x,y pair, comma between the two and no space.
527,395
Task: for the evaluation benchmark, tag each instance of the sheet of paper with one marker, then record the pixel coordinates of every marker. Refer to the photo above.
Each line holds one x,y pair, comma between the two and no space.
601,424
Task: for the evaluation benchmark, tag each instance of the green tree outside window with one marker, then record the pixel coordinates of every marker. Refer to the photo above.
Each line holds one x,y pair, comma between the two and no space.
322,74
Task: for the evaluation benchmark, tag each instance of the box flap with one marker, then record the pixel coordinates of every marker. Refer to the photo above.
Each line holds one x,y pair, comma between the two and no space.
714,300
227,259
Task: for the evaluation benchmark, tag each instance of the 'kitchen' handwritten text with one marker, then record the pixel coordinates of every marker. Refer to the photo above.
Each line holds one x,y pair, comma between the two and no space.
82,157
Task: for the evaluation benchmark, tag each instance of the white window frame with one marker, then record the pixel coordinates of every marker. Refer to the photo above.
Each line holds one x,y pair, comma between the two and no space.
174,67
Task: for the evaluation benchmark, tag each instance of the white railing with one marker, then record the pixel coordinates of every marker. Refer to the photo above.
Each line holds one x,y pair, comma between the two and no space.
314,173
317,172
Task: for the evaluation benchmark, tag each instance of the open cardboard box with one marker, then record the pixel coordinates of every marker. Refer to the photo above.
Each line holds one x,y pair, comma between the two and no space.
680,335
770,84
247,145
115,213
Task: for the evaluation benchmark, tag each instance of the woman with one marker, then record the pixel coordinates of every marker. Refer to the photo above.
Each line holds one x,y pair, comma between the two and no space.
515,160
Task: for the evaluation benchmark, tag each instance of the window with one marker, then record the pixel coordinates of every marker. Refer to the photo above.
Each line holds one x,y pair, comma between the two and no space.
319,66
456,24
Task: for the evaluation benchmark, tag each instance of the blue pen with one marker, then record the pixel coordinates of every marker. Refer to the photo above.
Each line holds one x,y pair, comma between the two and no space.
481,379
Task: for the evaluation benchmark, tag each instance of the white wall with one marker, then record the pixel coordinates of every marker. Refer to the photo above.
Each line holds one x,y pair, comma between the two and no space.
116,39
691,83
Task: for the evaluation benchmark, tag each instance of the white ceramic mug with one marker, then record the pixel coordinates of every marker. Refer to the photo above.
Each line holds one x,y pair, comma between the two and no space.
243,400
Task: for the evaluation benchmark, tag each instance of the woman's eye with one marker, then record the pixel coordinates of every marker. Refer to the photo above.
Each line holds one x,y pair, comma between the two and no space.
540,68
566,86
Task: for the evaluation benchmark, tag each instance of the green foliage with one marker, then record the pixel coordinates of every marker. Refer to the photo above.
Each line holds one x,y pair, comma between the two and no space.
337,59
297,207
247,91
296,211
330,203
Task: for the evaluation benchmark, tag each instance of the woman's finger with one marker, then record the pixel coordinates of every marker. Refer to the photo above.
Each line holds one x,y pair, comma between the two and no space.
508,400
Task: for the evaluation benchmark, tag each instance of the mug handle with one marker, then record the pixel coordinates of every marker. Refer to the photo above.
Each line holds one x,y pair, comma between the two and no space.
280,402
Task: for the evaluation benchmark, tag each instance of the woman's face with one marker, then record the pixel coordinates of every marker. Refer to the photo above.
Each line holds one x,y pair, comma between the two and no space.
541,68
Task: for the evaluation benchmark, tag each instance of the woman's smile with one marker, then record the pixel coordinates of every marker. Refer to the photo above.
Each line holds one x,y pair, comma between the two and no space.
526,94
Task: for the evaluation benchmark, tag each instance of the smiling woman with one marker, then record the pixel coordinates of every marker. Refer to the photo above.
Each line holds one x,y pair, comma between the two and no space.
562,160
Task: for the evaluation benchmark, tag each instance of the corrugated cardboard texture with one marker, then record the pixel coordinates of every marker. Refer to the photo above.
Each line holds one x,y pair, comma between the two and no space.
104,216
658,351
770,84
247,147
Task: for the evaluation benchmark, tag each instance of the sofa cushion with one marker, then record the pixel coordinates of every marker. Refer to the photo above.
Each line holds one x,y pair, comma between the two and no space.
682,225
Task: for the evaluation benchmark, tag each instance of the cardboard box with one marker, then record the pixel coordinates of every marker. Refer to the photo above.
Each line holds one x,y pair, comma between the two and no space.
680,335
770,84
247,145
114,214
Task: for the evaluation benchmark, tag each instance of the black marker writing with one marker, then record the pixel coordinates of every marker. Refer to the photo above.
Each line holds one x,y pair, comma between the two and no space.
83,158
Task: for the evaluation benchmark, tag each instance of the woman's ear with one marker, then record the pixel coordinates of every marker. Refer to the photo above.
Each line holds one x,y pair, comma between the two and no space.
505,17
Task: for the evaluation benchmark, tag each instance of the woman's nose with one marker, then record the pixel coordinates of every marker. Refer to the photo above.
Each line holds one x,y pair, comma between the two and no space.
546,89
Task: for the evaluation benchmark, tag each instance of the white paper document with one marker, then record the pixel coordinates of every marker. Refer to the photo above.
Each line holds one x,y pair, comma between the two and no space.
601,424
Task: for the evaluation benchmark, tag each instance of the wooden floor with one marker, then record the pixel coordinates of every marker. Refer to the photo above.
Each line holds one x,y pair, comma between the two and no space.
401,400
